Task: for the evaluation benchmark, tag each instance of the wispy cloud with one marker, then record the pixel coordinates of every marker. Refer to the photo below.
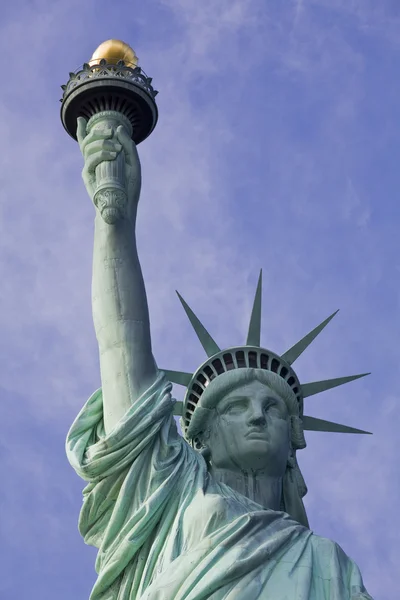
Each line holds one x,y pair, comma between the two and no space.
272,150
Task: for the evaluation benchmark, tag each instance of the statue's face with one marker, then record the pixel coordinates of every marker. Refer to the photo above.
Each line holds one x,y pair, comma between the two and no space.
250,431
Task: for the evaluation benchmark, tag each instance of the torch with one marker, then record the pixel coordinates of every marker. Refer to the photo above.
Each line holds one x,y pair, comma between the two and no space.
108,91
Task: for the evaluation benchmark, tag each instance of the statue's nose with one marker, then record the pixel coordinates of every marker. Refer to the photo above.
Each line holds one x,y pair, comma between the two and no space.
256,418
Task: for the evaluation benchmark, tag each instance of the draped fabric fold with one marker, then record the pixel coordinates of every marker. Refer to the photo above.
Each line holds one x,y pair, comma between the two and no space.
165,530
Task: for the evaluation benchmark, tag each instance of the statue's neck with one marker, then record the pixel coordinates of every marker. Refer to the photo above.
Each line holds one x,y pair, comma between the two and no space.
257,486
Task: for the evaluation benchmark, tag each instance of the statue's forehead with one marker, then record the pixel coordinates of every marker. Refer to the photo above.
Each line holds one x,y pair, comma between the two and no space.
252,389
252,396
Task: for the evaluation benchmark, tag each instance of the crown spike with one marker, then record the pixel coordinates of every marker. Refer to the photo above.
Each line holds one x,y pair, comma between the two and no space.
205,338
178,408
313,424
180,377
309,389
254,334
294,352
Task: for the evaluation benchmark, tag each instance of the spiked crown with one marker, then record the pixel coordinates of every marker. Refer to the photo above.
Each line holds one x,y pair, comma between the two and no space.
252,355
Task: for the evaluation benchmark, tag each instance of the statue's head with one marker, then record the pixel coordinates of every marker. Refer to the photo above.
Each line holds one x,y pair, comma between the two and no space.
248,421
244,421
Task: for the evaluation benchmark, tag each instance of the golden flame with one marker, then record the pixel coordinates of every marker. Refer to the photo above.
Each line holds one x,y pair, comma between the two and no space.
113,51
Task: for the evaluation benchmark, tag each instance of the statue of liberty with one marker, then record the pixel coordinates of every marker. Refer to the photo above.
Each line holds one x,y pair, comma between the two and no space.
216,513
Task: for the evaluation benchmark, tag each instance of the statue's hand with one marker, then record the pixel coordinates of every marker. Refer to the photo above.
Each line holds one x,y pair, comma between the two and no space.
105,145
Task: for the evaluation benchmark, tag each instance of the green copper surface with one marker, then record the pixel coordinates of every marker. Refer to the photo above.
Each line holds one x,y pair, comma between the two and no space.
314,424
316,387
205,338
294,352
226,522
180,377
254,334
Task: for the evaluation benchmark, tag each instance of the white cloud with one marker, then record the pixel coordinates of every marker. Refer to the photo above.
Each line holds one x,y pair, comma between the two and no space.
261,158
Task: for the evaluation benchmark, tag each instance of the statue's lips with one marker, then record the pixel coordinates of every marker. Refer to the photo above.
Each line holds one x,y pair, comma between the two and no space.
256,434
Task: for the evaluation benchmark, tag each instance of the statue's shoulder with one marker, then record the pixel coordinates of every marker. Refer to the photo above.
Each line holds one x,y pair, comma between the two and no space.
331,556
323,544
335,565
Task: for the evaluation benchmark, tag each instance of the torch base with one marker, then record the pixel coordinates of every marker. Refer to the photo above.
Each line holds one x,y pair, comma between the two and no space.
106,94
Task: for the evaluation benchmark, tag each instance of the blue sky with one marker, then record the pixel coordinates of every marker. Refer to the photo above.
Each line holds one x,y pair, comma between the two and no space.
277,147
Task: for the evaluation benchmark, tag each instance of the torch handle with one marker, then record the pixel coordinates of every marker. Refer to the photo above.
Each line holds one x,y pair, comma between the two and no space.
110,194
110,174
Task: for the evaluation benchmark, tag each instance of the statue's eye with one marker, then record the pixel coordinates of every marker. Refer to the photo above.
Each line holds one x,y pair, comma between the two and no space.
236,407
270,405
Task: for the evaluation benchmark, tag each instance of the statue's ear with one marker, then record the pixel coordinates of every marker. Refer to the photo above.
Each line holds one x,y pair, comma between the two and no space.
297,433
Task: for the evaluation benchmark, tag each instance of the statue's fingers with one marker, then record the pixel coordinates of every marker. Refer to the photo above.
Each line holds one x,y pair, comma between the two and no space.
99,146
128,146
95,135
81,130
97,158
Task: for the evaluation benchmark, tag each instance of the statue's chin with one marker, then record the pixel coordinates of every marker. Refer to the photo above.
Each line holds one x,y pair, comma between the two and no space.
111,215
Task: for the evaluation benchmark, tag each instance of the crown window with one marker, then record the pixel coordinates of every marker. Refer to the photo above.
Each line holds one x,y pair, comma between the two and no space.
196,388
253,360
228,360
217,364
240,359
202,379
274,365
209,372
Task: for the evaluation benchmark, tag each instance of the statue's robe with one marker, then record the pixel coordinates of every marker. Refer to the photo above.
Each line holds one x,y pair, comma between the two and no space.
166,530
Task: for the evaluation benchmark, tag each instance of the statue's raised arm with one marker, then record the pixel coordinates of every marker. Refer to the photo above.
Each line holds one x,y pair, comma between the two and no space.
216,513
120,311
